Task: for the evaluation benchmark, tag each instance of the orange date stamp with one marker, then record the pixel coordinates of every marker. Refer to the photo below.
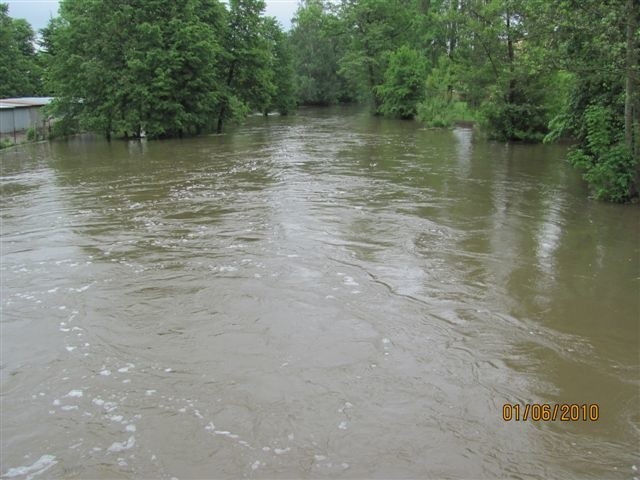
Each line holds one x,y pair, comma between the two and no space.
547,412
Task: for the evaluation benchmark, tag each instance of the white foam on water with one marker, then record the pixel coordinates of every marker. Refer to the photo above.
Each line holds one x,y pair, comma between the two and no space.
70,349
56,402
81,289
210,426
53,290
182,410
319,458
150,392
74,393
68,408
105,372
255,465
115,418
350,281
97,401
342,425
290,436
41,465
120,446
168,370
126,380
280,451
228,268
266,449
130,428
126,369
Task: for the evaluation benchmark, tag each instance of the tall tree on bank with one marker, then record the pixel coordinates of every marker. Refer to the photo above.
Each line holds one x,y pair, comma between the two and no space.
248,82
597,42
283,99
376,28
131,66
20,72
317,41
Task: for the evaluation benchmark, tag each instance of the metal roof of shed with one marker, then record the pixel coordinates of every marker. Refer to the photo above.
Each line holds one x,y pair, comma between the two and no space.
24,102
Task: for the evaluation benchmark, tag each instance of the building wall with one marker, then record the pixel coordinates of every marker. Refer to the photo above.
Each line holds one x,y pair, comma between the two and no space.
24,117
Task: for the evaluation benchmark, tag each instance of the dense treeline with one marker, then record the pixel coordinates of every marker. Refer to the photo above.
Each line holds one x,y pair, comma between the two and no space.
528,70
531,70
158,68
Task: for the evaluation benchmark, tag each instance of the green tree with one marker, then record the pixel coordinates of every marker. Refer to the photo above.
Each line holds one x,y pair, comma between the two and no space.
137,66
403,86
597,43
376,28
20,72
316,41
283,99
248,82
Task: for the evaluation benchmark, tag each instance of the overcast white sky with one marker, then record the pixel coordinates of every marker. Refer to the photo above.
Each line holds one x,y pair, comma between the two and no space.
38,12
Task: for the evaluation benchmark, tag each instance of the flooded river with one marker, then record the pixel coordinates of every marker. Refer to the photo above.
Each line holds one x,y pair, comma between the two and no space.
328,295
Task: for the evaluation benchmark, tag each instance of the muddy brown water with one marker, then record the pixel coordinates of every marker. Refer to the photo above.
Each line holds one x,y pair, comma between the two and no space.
327,295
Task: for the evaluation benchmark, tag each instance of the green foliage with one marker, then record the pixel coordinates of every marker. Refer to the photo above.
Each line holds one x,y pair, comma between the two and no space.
122,69
316,41
163,69
249,43
373,30
523,118
403,86
20,72
6,143
441,106
605,160
283,98
439,113
32,134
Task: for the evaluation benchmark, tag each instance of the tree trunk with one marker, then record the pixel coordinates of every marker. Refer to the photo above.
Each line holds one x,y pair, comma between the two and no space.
512,80
630,81
631,100
223,109
220,117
